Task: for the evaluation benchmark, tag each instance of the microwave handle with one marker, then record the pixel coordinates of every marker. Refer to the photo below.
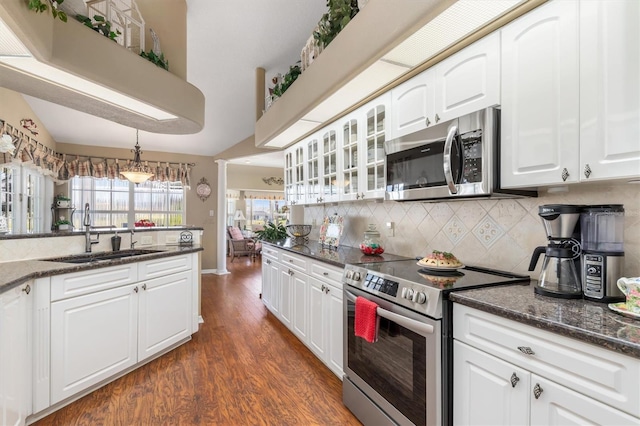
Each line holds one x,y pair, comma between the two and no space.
446,160
413,325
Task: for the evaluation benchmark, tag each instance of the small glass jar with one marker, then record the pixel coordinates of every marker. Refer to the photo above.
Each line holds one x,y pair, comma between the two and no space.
372,244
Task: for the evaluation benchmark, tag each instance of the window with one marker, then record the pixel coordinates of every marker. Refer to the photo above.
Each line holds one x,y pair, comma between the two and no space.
115,202
261,212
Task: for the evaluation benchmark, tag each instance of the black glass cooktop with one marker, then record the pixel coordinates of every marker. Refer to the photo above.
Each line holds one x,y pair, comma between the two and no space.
445,280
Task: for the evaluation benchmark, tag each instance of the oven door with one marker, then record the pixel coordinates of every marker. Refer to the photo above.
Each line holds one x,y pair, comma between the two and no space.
401,372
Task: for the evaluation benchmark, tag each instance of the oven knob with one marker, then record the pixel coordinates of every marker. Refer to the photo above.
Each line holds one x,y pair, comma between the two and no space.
409,294
419,297
356,276
349,275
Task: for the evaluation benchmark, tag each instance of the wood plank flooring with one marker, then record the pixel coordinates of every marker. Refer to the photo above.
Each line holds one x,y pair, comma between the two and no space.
242,368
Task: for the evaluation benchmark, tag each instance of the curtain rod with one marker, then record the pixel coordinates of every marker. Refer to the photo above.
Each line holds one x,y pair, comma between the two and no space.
125,159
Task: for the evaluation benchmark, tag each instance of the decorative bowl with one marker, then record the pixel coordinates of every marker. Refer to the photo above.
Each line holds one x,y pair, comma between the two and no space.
298,231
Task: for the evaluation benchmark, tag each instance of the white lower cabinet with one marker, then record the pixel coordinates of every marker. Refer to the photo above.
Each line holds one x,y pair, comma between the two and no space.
92,338
306,296
507,373
15,355
86,334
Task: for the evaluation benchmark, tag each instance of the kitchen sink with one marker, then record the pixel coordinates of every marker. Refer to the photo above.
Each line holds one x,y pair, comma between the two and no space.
105,255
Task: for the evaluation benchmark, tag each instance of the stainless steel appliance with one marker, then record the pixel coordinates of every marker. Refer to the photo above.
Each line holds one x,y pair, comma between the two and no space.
560,276
454,159
405,377
602,229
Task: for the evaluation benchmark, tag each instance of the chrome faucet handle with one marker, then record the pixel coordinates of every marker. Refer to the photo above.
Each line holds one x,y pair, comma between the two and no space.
87,217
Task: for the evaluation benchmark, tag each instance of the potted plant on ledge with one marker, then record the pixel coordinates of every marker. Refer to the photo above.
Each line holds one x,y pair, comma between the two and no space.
62,201
63,224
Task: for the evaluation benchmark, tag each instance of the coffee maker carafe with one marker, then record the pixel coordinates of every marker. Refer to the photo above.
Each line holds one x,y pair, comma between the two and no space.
602,229
560,276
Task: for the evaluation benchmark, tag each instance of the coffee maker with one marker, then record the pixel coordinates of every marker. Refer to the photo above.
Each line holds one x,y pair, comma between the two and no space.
602,229
561,266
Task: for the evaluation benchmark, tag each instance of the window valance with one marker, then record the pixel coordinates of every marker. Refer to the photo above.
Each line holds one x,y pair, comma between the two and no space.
263,195
62,167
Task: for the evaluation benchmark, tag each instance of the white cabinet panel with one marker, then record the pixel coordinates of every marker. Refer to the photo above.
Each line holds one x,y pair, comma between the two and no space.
164,313
92,338
163,266
15,355
300,301
557,405
286,291
334,329
92,280
317,334
413,104
540,97
609,89
469,80
487,390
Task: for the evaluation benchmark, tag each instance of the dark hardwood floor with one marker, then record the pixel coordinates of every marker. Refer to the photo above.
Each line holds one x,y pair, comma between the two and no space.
242,368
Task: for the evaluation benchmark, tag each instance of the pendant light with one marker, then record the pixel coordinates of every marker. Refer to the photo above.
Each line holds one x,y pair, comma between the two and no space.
136,172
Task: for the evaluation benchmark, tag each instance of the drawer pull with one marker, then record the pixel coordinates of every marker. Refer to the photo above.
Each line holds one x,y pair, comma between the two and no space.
268,262
291,260
537,391
526,350
27,289
144,286
326,274
514,380
135,289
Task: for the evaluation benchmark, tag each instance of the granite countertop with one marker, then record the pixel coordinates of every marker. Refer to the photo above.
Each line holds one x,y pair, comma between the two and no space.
338,257
591,322
13,274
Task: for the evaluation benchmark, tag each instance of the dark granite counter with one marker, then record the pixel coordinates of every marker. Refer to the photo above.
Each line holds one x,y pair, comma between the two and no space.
590,322
13,274
339,257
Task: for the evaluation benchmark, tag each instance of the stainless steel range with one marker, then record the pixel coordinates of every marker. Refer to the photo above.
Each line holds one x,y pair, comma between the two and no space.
405,377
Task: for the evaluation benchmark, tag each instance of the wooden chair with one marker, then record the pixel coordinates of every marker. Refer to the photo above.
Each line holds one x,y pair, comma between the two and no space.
241,246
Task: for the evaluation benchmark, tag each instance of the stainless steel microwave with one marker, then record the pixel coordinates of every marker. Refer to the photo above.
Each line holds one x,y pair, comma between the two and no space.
454,159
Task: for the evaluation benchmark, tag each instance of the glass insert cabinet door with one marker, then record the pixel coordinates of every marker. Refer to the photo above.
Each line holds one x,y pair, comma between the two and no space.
350,161
313,171
22,192
330,166
294,174
374,160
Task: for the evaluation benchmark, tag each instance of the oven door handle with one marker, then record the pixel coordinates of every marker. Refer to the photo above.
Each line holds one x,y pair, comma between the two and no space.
413,325
446,160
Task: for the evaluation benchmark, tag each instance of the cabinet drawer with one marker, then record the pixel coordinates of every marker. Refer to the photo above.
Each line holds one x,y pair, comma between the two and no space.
79,283
163,266
328,274
593,371
269,252
294,262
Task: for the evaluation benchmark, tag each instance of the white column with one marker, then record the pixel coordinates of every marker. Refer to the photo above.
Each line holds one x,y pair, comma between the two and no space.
222,218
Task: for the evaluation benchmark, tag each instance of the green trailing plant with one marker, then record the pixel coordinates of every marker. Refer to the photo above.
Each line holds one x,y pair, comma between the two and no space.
272,232
339,14
100,25
62,197
62,222
287,80
158,60
41,6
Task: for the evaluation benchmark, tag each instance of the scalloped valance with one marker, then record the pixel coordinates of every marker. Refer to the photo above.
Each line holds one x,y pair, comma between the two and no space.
62,167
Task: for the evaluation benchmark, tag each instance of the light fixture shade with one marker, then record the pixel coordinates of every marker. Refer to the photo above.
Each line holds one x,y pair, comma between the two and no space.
239,215
135,171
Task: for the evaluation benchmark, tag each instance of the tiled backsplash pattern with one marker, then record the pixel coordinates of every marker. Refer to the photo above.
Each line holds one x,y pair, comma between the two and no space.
500,234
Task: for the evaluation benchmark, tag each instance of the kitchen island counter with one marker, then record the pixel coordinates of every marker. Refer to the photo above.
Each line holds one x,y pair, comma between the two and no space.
338,257
590,322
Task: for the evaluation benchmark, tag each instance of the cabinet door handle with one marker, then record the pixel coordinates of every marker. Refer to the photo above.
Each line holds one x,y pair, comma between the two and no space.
537,391
428,122
144,286
437,118
565,174
587,171
327,290
362,196
526,350
135,289
27,289
290,272
268,262
319,200
322,288
514,380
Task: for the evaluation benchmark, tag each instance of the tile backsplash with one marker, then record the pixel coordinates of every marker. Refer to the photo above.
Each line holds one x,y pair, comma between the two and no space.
499,234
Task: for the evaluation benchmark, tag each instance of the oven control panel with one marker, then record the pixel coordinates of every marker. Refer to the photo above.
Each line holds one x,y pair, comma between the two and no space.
408,294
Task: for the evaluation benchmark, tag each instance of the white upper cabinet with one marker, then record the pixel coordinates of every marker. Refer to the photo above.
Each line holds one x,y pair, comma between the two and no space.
540,103
609,89
375,134
312,166
463,83
294,173
330,183
469,80
350,143
413,104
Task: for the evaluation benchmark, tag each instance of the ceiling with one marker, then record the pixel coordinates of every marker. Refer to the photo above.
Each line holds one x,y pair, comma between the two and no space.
226,42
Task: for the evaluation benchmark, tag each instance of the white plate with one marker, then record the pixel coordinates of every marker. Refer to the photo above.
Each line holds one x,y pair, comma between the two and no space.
620,308
438,268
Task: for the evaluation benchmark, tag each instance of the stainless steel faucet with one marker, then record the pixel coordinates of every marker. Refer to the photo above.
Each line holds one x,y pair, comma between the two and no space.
88,242
133,243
